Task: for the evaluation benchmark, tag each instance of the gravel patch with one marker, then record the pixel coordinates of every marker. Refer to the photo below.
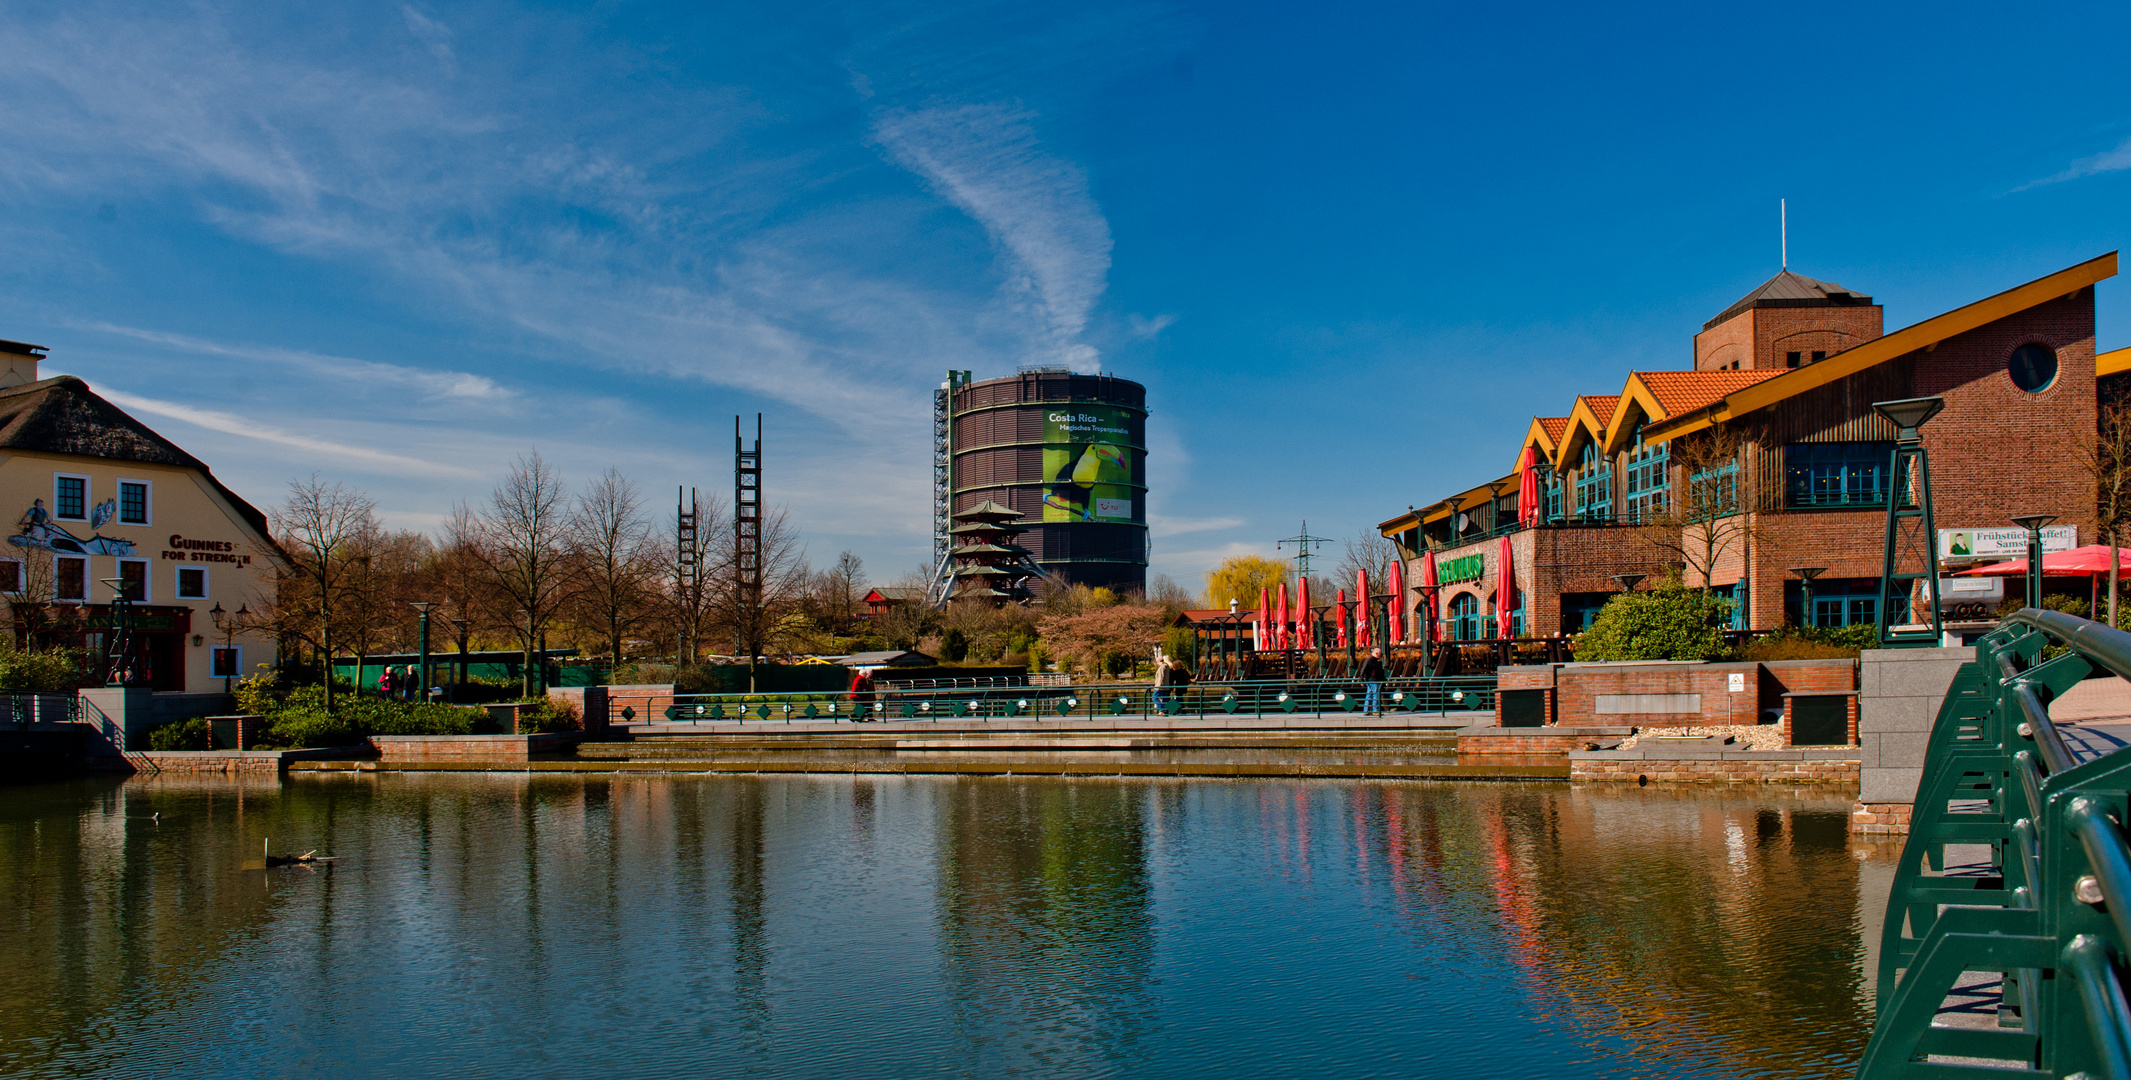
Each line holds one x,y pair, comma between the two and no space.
1742,736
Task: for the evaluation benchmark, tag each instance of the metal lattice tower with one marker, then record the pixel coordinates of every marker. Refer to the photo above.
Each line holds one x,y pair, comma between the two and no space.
688,569
1303,543
943,494
747,534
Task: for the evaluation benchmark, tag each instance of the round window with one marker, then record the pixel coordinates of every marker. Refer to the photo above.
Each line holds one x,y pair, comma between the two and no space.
2033,367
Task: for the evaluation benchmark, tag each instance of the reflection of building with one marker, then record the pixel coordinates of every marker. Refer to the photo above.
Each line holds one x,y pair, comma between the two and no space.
1775,421
102,498
1067,455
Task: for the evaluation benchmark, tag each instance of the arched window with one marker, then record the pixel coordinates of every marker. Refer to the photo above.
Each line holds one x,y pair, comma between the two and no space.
1465,617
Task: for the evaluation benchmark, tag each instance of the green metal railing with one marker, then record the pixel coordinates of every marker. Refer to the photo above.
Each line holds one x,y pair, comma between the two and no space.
2041,895
23,708
1448,696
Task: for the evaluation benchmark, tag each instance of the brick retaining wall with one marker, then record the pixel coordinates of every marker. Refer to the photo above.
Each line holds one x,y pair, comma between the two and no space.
1739,767
1881,819
404,748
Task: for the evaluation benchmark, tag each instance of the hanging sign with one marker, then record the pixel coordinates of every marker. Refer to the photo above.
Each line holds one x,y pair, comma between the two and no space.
1463,568
2002,543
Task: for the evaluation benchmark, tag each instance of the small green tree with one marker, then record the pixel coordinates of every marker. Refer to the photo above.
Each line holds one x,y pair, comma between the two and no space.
1671,622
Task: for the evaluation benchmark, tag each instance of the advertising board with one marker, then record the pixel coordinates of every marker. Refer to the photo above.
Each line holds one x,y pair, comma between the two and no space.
1087,463
2007,543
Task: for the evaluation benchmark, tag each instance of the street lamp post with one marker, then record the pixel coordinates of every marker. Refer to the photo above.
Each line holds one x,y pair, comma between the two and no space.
423,606
2034,523
1807,574
228,624
1628,582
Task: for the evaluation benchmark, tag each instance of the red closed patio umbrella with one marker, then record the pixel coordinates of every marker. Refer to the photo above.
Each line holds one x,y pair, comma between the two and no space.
1339,619
1528,488
1505,592
1305,623
1364,611
1262,631
1394,614
1429,589
1280,635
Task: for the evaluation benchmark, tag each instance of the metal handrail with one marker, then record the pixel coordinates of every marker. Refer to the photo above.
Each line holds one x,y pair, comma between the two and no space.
1446,695
2054,914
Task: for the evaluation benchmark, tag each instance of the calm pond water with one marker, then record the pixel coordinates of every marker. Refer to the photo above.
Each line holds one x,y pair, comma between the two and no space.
786,927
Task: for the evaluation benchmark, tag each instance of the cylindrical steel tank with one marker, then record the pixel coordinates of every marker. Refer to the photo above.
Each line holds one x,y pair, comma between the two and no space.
1070,453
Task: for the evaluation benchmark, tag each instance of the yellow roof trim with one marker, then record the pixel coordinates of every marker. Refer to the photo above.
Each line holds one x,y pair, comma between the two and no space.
1535,436
2113,362
1902,342
1592,425
1636,393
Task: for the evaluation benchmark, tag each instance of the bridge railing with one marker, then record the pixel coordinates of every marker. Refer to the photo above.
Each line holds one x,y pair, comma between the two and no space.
1450,696
2016,870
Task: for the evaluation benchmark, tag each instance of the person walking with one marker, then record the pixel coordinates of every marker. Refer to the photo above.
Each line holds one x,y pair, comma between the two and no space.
1179,680
387,682
1372,680
861,693
1164,676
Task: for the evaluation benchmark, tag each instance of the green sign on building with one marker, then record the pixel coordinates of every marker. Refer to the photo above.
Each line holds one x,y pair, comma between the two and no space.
1463,568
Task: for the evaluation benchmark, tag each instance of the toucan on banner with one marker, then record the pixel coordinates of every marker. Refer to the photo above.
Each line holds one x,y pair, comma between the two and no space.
1087,464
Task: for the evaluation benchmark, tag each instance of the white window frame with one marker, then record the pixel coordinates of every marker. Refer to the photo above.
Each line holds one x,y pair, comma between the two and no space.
147,500
88,495
236,661
177,582
22,575
147,595
87,579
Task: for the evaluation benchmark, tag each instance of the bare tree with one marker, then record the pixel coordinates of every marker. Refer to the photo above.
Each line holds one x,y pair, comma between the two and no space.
519,543
611,536
1371,551
318,526
1712,510
1165,591
844,588
2109,465
30,602
745,616
383,572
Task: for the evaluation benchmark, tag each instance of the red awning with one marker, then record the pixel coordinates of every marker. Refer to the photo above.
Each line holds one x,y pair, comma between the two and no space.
2087,561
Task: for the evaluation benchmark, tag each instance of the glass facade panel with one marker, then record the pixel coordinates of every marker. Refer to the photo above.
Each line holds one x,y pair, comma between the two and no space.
1836,474
1465,617
1649,478
1594,486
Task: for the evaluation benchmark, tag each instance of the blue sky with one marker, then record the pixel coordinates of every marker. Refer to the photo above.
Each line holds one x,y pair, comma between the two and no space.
1349,249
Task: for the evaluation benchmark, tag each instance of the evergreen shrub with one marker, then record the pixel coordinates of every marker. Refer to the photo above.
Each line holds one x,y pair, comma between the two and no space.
1670,622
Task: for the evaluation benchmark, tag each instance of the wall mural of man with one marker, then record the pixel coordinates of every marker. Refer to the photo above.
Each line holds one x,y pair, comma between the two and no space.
40,531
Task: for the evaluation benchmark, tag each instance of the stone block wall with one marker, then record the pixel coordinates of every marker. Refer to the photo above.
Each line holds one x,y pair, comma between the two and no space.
1733,767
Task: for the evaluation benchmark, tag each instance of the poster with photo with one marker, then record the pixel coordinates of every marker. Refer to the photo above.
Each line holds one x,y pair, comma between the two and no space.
1087,464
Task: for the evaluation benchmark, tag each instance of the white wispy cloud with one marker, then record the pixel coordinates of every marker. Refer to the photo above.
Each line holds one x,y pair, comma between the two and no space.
332,452
987,160
2115,160
432,384
1164,525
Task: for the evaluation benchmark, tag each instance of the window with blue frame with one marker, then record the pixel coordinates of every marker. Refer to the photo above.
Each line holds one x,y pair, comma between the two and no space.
1713,493
1579,610
1594,486
1649,477
1465,617
1840,602
1836,474
1549,494
1732,594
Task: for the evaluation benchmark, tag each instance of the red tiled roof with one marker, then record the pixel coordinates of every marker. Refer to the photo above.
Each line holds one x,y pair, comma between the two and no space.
1554,426
1601,404
1685,391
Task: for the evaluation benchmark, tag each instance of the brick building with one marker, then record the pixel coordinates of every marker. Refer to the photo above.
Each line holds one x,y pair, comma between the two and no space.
1774,423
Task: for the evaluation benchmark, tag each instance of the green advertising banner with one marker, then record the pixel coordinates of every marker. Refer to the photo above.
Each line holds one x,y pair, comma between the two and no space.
1087,460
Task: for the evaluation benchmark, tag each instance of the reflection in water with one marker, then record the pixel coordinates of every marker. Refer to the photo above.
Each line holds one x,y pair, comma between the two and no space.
651,926
1046,931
